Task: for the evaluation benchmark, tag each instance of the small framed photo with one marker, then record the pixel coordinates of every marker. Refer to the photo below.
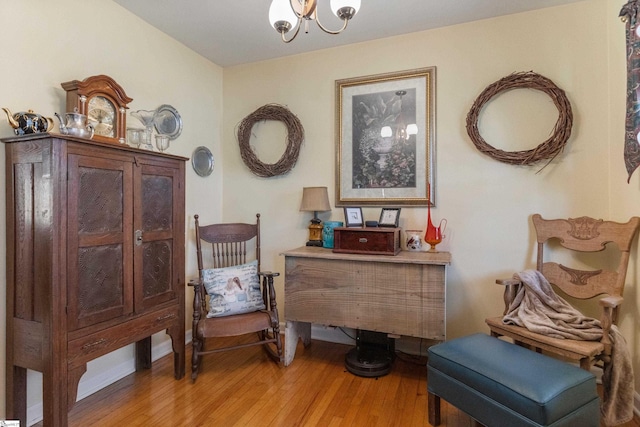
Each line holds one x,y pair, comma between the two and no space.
389,217
353,217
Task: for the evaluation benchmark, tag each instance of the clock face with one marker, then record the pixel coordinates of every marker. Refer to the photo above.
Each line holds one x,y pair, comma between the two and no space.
101,114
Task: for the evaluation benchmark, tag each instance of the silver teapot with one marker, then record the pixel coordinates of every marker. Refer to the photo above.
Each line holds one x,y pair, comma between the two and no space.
76,125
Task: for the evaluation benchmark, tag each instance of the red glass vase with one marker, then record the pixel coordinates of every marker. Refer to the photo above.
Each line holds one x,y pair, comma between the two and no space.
433,235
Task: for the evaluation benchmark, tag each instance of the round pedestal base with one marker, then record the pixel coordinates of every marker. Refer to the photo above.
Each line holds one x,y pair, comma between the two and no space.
368,362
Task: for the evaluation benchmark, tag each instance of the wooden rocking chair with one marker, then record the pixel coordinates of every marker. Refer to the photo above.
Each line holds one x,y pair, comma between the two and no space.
230,245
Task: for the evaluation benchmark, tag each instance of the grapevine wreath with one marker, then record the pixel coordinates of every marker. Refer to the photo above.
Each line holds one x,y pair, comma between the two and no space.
295,136
550,148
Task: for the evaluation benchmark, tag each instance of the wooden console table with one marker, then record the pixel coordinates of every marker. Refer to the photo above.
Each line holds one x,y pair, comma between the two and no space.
402,294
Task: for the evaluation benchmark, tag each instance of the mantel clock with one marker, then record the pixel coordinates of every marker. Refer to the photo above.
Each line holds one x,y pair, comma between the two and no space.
104,102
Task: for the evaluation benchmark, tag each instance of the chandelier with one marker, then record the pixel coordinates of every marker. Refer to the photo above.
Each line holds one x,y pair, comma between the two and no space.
284,15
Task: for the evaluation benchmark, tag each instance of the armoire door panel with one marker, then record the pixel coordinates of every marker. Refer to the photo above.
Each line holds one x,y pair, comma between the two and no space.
100,240
157,271
101,204
157,201
155,216
101,293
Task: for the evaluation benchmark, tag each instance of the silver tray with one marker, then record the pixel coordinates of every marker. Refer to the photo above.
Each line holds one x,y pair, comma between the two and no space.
167,121
202,161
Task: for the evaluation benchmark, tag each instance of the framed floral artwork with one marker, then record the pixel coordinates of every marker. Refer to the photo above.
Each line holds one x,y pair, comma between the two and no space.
385,139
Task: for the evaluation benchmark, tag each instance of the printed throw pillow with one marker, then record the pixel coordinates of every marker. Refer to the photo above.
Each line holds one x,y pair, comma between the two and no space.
233,290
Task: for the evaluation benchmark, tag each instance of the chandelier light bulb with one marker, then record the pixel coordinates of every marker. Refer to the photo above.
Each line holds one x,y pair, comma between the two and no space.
345,9
281,16
386,132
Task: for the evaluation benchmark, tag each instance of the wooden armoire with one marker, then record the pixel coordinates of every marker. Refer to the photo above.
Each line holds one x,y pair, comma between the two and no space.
95,261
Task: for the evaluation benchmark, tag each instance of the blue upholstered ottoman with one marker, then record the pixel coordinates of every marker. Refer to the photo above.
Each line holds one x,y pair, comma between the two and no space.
502,384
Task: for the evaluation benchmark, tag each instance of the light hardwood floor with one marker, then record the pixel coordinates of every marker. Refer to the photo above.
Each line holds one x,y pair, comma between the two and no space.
245,388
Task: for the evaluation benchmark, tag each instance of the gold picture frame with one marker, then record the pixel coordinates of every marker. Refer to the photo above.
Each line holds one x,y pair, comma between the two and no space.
385,139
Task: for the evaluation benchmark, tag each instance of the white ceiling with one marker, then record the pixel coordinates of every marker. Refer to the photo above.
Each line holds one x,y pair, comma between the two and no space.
231,32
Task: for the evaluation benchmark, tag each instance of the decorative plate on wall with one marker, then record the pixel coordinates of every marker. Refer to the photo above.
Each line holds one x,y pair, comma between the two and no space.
202,161
167,121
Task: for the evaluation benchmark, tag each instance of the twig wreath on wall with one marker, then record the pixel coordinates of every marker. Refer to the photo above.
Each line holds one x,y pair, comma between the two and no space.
295,136
550,148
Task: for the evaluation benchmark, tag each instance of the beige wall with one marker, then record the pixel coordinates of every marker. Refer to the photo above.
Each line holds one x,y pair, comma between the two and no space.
487,204
45,43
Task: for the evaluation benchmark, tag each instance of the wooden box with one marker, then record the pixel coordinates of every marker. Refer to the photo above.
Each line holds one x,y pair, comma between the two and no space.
367,240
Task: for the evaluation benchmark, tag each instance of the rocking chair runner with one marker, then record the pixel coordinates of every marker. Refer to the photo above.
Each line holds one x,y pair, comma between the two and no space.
583,235
230,244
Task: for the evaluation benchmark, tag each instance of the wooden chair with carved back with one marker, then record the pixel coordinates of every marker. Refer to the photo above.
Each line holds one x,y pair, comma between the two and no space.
582,235
232,296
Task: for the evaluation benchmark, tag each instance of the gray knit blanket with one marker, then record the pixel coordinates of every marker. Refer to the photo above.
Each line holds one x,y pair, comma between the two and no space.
538,308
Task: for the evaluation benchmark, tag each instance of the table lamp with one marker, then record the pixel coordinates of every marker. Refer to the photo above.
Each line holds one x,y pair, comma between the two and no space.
315,199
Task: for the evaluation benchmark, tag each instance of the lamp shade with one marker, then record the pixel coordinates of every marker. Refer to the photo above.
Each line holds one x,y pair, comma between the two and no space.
315,199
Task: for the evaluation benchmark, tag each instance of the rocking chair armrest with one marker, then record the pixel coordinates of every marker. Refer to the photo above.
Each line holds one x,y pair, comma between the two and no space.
195,283
198,289
269,289
199,300
611,301
267,280
268,273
